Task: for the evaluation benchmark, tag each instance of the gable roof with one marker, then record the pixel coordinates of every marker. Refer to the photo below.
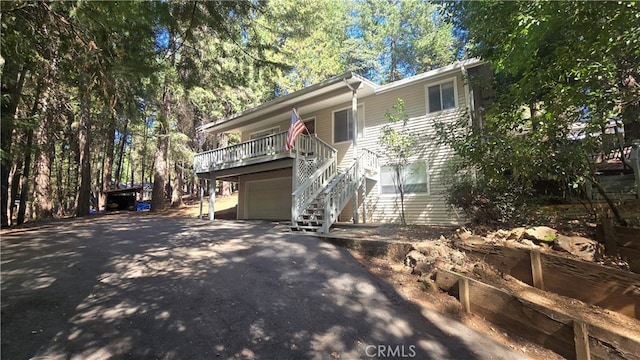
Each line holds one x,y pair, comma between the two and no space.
335,87
334,90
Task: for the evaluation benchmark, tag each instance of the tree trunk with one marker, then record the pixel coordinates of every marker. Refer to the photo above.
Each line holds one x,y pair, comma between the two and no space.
83,196
144,154
107,164
24,192
123,140
14,186
12,82
401,190
178,185
159,180
44,160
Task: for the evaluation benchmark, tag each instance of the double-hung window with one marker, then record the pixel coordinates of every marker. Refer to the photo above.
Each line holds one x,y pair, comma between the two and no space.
343,124
415,177
441,96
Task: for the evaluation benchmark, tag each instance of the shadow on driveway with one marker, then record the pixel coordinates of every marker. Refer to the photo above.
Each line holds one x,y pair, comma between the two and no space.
146,287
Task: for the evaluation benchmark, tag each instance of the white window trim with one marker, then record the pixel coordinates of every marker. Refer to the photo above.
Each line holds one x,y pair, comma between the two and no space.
359,128
276,128
455,94
409,194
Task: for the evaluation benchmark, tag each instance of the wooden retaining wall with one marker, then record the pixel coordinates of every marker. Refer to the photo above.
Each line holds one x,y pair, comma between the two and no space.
609,288
623,241
564,333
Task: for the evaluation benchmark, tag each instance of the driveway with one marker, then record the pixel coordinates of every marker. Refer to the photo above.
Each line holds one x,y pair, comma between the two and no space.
145,287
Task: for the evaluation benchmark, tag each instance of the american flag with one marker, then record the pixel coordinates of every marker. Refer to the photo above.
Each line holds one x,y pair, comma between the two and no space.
296,128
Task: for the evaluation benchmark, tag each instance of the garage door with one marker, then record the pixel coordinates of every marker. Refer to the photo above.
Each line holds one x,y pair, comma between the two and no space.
269,199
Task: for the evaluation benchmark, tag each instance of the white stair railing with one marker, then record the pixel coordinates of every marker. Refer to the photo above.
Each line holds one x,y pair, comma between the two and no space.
316,164
344,187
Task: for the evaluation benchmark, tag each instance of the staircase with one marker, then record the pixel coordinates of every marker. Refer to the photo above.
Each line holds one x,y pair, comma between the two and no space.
321,191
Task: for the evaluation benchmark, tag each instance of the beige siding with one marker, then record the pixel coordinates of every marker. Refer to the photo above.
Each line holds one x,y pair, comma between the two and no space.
283,124
244,202
420,208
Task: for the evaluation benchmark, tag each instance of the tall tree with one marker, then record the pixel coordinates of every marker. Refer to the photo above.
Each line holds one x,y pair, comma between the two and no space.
405,37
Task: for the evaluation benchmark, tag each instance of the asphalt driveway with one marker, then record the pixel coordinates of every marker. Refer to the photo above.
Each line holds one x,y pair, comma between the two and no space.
145,287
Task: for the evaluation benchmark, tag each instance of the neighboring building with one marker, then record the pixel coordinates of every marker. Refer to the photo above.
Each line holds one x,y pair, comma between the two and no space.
314,184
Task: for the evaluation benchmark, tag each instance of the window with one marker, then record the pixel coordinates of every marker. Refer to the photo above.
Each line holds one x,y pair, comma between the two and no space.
310,124
265,132
343,124
416,178
441,96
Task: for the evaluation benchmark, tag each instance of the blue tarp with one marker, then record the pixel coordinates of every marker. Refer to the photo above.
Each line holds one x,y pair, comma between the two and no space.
143,206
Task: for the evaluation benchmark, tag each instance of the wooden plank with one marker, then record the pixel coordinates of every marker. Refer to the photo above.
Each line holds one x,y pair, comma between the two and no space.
609,288
611,247
536,270
463,286
518,316
515,262
547,327
581,339
627,236
632,256
605,344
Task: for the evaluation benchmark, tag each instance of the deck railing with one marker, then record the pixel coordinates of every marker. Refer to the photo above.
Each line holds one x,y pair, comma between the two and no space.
239,153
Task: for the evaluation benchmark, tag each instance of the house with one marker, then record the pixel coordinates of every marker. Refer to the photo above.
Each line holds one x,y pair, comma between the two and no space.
336,171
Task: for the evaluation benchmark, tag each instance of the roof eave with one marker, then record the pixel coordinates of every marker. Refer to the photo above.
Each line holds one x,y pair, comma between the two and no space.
348,77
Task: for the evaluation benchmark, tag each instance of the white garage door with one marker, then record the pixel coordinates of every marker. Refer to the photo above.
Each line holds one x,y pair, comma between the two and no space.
269,199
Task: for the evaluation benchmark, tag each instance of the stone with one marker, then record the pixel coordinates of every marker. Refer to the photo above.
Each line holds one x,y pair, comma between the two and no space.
474,240
413,258
541,233
528,244
579,246
516,234
463,233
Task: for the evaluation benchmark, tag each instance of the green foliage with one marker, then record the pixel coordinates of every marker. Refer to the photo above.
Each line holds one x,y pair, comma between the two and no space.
559,66
401,38
397,139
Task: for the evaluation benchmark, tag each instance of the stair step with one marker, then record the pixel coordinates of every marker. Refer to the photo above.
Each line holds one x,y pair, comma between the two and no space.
306,228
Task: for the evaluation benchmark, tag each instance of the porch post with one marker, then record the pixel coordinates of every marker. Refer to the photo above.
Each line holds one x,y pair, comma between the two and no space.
294,187
364,200
354,118
212,195
201,185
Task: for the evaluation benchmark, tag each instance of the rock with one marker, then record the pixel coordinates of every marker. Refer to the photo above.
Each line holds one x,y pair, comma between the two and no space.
474,240
528,244
413,258
581,247
516,234
457,257
463,233
541,233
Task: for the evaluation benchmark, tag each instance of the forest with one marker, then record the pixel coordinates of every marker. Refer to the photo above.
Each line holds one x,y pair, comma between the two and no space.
98,95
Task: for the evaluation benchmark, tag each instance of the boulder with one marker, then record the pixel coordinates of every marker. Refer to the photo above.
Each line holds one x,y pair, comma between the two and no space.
413,258
579,246
516,234
541,234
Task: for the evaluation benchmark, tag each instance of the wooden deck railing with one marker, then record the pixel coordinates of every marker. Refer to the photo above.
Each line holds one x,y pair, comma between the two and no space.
241,153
